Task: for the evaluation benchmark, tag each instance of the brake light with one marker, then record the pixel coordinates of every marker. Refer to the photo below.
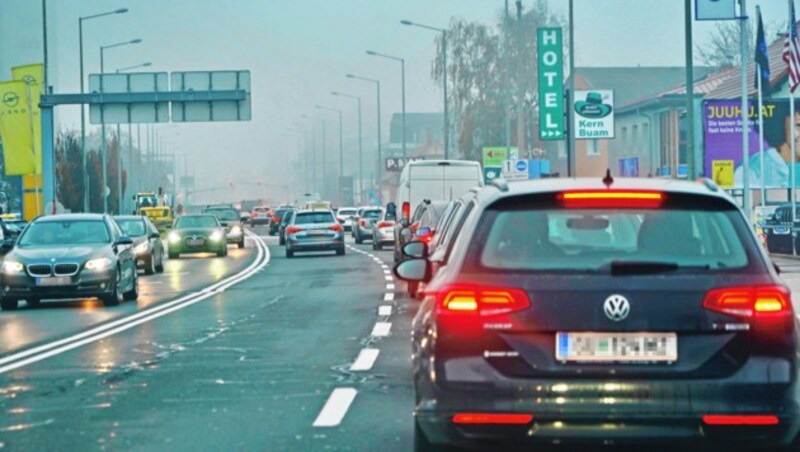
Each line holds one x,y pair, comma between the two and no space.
276,219
255,214
479,300
406,210
750,301
414,227
722,419
631,199
363,223
336,227
293,230
385,224
492,418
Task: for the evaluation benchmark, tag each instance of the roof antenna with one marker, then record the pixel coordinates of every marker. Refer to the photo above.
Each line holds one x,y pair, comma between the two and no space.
608,180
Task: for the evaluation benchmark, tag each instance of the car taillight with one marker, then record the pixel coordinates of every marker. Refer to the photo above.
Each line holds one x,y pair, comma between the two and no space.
630,199
426,238
464,299
406,210
492,418
385,224
255,214
768,307
276,219
293,230
758,419
363,223
336,227
414,227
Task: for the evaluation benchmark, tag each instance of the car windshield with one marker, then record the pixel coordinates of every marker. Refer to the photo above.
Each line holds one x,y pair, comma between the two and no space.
313,217
65,232
132,228
575,239
224,214
197,221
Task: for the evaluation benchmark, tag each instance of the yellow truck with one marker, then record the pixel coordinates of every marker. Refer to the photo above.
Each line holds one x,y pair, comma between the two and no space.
155,208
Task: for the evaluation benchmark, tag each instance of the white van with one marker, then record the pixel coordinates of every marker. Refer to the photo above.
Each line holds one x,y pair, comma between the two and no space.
435,180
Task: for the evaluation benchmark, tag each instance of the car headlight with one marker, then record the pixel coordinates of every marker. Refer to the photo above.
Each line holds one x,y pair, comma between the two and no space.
174,237
236,230
142,248
216,236
99,264
12,267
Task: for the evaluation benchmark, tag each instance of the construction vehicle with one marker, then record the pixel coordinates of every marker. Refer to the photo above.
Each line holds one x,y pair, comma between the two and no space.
156,207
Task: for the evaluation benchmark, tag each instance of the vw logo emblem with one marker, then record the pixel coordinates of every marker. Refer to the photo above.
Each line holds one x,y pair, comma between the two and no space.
10,99
616,308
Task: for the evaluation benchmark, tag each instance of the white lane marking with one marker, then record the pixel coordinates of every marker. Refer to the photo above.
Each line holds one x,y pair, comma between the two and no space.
381,329
385,267
336,407
384,311
387,271
390,287
58,347
366,359
388,297
388,278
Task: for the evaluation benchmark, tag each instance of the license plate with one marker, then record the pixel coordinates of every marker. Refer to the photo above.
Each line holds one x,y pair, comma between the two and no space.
616,347
780,230
53,281
195,242
320,232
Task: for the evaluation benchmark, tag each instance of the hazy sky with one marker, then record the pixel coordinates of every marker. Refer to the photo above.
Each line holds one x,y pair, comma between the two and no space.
299,50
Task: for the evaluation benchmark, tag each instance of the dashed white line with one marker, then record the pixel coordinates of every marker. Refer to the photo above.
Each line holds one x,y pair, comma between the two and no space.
388,278
366,359
388,297
336,407
390,287
384,311
381,329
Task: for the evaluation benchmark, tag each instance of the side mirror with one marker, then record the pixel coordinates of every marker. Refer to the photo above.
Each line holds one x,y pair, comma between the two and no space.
423,232
413,270
415,250
124,240
7,245
155,235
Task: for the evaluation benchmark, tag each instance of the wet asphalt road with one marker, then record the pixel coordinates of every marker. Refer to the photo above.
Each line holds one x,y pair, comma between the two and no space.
259,365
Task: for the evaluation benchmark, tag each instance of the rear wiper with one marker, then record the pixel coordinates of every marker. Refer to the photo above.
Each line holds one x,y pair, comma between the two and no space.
649,267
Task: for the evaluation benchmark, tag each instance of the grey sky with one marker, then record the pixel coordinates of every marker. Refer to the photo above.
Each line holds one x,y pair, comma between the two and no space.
299,51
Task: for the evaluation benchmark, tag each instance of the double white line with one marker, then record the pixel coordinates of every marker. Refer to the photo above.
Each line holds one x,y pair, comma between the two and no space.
50,349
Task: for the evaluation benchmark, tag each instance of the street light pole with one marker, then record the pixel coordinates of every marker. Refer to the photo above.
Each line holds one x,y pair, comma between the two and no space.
104,150
403,88
83,112
341,149
380,151
444,80
360,145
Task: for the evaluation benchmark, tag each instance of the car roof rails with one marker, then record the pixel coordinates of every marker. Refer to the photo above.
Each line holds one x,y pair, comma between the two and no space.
709,183
500,184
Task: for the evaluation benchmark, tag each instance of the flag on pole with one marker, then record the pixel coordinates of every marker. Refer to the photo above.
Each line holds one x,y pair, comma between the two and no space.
761,57
791,50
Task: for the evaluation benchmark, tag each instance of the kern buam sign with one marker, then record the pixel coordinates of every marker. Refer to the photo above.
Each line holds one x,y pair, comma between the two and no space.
550,61
594,114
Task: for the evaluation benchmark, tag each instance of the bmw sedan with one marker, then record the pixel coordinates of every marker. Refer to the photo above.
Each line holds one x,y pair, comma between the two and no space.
147,245
575,312
71,256
314,230
230,219
200,233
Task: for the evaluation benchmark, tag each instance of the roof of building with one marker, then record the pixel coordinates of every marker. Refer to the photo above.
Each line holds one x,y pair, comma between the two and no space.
630,83
732,86
701,87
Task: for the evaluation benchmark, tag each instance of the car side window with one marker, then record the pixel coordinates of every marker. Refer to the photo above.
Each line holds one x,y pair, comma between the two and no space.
457,230
449,221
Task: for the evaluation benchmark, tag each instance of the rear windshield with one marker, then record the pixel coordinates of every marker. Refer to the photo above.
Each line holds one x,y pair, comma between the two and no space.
224,214
342,212
204,221
314,217
371,214
132,228
261,209
577,239
65,232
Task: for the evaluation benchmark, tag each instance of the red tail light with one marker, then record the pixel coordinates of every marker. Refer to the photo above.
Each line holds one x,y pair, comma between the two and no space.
363,223
492,418
276,219
414,227
721,419
465,299
385,224
631,199
336,227
293,230
255,214
759,302
406,210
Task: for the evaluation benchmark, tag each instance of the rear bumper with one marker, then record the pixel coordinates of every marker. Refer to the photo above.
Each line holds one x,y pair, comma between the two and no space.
384,237
609,411
259,220
315,245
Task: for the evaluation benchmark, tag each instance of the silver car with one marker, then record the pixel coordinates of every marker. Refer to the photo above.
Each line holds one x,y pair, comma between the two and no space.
345,216
362,229
383,230
314,230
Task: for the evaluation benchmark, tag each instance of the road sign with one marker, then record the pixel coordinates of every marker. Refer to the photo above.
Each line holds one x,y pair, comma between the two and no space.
129,112
550,61
594,114
396,164
491,173
515,170
221,110
715,9
722,173
494,156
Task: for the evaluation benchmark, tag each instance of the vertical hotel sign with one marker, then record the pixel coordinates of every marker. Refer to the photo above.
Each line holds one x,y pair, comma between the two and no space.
550,62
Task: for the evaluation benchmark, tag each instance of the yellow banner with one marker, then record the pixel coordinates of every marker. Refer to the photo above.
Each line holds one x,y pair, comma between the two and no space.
16,129
32,197
33,75
723,172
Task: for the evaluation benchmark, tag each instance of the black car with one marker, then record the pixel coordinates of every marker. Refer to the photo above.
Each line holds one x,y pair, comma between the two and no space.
200,233
147,245
780,230
69,257
276,220
285,220
230,219
575,312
